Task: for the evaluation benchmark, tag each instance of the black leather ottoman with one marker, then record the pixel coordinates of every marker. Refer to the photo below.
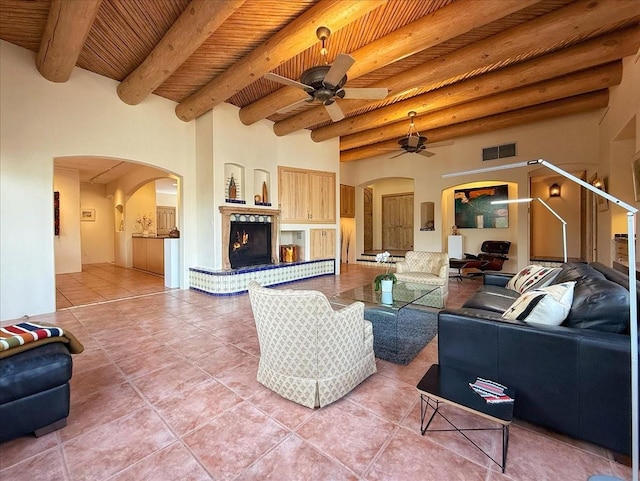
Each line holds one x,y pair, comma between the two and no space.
34,391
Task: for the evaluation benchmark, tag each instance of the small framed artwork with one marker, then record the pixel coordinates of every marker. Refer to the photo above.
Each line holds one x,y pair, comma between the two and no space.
635,171
88,215
603,204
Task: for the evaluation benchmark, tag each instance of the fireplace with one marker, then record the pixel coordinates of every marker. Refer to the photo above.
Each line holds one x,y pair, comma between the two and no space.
249,244
254,230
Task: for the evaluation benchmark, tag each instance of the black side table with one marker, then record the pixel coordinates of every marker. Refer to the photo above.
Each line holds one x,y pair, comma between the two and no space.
447,385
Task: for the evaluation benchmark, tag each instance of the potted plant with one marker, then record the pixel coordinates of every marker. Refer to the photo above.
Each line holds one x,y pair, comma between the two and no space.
388,277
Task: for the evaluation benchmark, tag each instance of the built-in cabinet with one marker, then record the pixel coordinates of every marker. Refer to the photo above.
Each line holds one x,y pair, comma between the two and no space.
323,243
347,201
148,254
306,196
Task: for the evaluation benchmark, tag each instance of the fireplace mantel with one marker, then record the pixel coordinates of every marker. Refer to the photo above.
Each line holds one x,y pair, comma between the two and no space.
227,211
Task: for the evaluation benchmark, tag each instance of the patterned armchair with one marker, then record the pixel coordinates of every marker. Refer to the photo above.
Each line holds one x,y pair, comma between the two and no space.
431,268
310,353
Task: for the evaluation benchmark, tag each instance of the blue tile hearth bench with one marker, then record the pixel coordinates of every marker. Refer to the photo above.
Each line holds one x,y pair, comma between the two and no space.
235,281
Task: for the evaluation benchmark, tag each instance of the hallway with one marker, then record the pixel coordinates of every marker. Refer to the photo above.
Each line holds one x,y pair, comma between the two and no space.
104,282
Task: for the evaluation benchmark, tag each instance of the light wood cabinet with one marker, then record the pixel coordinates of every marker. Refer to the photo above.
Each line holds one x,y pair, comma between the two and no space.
323,243
347,201
148,254
306,196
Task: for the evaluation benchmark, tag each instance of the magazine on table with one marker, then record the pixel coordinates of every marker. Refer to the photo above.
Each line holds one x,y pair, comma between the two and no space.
491,391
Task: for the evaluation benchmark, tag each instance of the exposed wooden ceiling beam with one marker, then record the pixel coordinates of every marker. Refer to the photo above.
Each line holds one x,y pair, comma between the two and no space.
601,50
63,38
579,18
569,85
194,26
296,37
558,108
443,24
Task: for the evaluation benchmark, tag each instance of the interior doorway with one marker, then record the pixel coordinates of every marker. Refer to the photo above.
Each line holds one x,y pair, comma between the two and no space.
397,222
368,219
93,252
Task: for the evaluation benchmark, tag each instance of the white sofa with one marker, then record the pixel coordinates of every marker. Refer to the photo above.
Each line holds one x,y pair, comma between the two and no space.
430,268
310,353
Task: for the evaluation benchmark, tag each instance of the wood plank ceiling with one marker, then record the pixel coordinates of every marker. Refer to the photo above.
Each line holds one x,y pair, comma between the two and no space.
465,66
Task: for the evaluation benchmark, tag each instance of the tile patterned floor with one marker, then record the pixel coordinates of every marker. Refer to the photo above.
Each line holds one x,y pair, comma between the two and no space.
181,403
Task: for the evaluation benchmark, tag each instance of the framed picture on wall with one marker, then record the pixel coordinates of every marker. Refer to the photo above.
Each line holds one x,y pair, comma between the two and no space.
88,215
635,171
474,210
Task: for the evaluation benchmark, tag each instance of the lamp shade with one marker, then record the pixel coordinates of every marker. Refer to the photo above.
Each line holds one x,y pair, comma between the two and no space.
554,190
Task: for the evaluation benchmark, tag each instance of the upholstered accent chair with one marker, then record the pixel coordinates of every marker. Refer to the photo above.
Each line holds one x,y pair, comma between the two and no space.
430,268
309,353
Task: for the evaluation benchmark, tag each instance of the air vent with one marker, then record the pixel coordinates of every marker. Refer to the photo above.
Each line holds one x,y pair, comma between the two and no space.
499,151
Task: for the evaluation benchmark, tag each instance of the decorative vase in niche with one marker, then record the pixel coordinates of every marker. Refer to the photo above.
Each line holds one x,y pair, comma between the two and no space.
265,196
145,233
387,298
232,188
386,285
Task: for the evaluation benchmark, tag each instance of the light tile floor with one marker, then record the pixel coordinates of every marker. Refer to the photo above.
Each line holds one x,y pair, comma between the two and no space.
166,390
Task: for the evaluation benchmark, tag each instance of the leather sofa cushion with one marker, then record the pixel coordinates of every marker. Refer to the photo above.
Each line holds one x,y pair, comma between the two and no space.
492,298
598,303
34,370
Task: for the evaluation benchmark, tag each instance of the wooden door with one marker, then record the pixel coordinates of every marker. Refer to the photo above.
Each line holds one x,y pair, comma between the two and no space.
347,201
322,197
293,195
397,222
368,219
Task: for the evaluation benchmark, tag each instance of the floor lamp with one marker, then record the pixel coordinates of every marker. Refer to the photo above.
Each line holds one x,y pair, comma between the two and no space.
529,199
633,301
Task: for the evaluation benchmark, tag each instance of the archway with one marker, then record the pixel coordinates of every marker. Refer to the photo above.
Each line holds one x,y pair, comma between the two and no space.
97,223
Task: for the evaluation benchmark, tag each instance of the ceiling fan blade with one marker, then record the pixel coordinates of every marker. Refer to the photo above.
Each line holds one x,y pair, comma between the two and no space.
442,143
339,67
413,141
365,93
334,111
426,153
401,153
294,105
287,81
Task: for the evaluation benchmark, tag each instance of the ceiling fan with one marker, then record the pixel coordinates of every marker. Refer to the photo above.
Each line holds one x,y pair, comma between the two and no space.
324,83
413,143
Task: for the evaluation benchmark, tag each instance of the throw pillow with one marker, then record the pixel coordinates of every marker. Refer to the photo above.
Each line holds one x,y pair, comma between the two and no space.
532,277
548,305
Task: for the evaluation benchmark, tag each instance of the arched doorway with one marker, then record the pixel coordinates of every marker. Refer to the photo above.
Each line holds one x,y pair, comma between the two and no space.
93,249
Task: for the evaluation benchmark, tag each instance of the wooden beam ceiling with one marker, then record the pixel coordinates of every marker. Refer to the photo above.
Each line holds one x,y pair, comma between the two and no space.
591,53
194,26
456,63
443,24
291,40
546,32
557,108
64,35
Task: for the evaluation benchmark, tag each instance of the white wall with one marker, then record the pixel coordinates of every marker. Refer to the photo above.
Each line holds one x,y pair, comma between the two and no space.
619,137
570,142
67,245
96,236
222,136
41,120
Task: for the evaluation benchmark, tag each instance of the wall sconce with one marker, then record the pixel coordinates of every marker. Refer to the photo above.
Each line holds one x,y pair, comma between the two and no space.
554,190
598,184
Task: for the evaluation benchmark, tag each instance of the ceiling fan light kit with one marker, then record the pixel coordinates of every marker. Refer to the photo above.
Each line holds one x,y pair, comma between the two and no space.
324,83
413,143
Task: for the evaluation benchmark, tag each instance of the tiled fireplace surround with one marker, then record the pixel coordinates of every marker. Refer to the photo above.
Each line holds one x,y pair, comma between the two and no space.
234,281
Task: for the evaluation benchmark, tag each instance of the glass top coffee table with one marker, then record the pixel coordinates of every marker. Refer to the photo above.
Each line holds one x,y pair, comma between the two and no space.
403,294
